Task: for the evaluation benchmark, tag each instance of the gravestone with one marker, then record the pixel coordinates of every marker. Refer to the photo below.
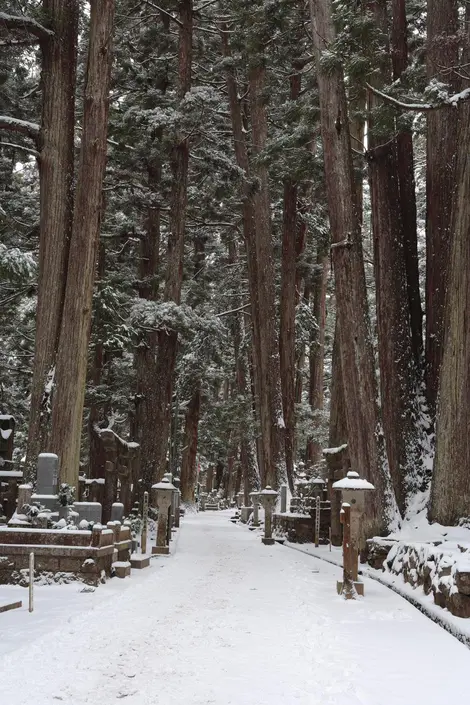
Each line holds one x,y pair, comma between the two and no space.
46,481
117,511
283,499
88,511
24,496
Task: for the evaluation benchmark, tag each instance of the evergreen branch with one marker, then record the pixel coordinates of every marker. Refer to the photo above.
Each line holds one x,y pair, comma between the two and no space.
165,12
21,147
18,22
233,310
451,102
30,129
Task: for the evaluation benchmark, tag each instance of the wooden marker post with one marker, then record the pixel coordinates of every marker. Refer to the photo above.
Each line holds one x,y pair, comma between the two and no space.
317,521
31,581
347,587
145,521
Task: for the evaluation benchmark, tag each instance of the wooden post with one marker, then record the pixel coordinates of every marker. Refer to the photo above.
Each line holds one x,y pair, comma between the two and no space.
347,588
329,536
145,518
31,581
317,521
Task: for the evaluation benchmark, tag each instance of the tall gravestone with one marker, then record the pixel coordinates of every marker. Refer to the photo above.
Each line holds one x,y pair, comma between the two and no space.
47,478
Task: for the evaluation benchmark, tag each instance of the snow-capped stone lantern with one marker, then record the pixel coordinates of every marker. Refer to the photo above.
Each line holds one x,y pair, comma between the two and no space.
255,497
353,490
268,499
163,496
240,498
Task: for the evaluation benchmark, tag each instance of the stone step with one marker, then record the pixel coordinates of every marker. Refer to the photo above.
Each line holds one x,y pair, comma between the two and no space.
122,569
140,560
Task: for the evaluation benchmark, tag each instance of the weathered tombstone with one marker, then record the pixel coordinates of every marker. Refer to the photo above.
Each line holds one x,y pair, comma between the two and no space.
164,492
255,501
353,490
317,521
88,511
46,481
25,493
268,499
117,511
240,500
202,501
145,521
283,499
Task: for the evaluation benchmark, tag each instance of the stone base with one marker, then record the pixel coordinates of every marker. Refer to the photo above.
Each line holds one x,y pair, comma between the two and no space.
281,541
122,569
140,560
359,587
160,550
268,542
245,513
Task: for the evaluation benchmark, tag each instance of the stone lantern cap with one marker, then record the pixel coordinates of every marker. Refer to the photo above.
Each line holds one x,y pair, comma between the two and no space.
318,481
268,492
352,481
164,486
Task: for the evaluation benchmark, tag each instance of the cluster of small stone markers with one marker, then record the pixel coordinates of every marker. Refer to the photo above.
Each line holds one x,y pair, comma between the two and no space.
86,540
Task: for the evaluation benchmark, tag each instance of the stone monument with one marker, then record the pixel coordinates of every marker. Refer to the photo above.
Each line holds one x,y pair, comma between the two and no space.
268,499
164,492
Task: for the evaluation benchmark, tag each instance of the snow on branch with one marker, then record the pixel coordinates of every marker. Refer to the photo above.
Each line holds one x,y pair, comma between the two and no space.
27,24
451,101
31,129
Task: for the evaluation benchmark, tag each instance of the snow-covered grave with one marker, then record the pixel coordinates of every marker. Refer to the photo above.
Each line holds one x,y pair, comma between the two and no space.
228,621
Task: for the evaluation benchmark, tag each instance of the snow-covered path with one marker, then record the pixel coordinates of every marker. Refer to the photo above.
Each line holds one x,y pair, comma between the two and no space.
228,621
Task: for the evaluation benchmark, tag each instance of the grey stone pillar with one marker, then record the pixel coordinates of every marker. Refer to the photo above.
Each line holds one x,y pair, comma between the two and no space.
268,499
283,499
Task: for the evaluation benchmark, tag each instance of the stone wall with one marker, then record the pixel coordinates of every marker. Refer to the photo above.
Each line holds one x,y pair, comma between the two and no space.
69,555
300,528
440,569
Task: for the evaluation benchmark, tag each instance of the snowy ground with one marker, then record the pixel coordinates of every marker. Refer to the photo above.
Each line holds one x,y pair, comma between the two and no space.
228,621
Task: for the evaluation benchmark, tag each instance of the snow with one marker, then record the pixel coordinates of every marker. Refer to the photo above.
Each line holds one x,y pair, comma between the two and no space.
226,620
334,451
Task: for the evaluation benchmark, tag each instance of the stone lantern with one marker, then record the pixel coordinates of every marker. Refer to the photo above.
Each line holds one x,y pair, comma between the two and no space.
268,499
255,496
353,490
164,494
318,485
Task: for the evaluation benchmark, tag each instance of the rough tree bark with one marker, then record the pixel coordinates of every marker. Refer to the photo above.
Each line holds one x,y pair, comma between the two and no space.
68,398
338,462
450,487
248,218
56,173
398,374
168,340
442,130
360,389
287,303
272,421
317,352
406,185
193,413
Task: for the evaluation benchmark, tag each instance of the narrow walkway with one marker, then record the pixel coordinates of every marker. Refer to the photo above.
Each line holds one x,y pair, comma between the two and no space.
228,621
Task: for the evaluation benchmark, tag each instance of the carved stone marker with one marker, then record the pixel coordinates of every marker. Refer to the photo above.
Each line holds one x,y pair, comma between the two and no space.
117,511
88,511
283,499
202,501
46,481
254,496
268,499
164,493
145,521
